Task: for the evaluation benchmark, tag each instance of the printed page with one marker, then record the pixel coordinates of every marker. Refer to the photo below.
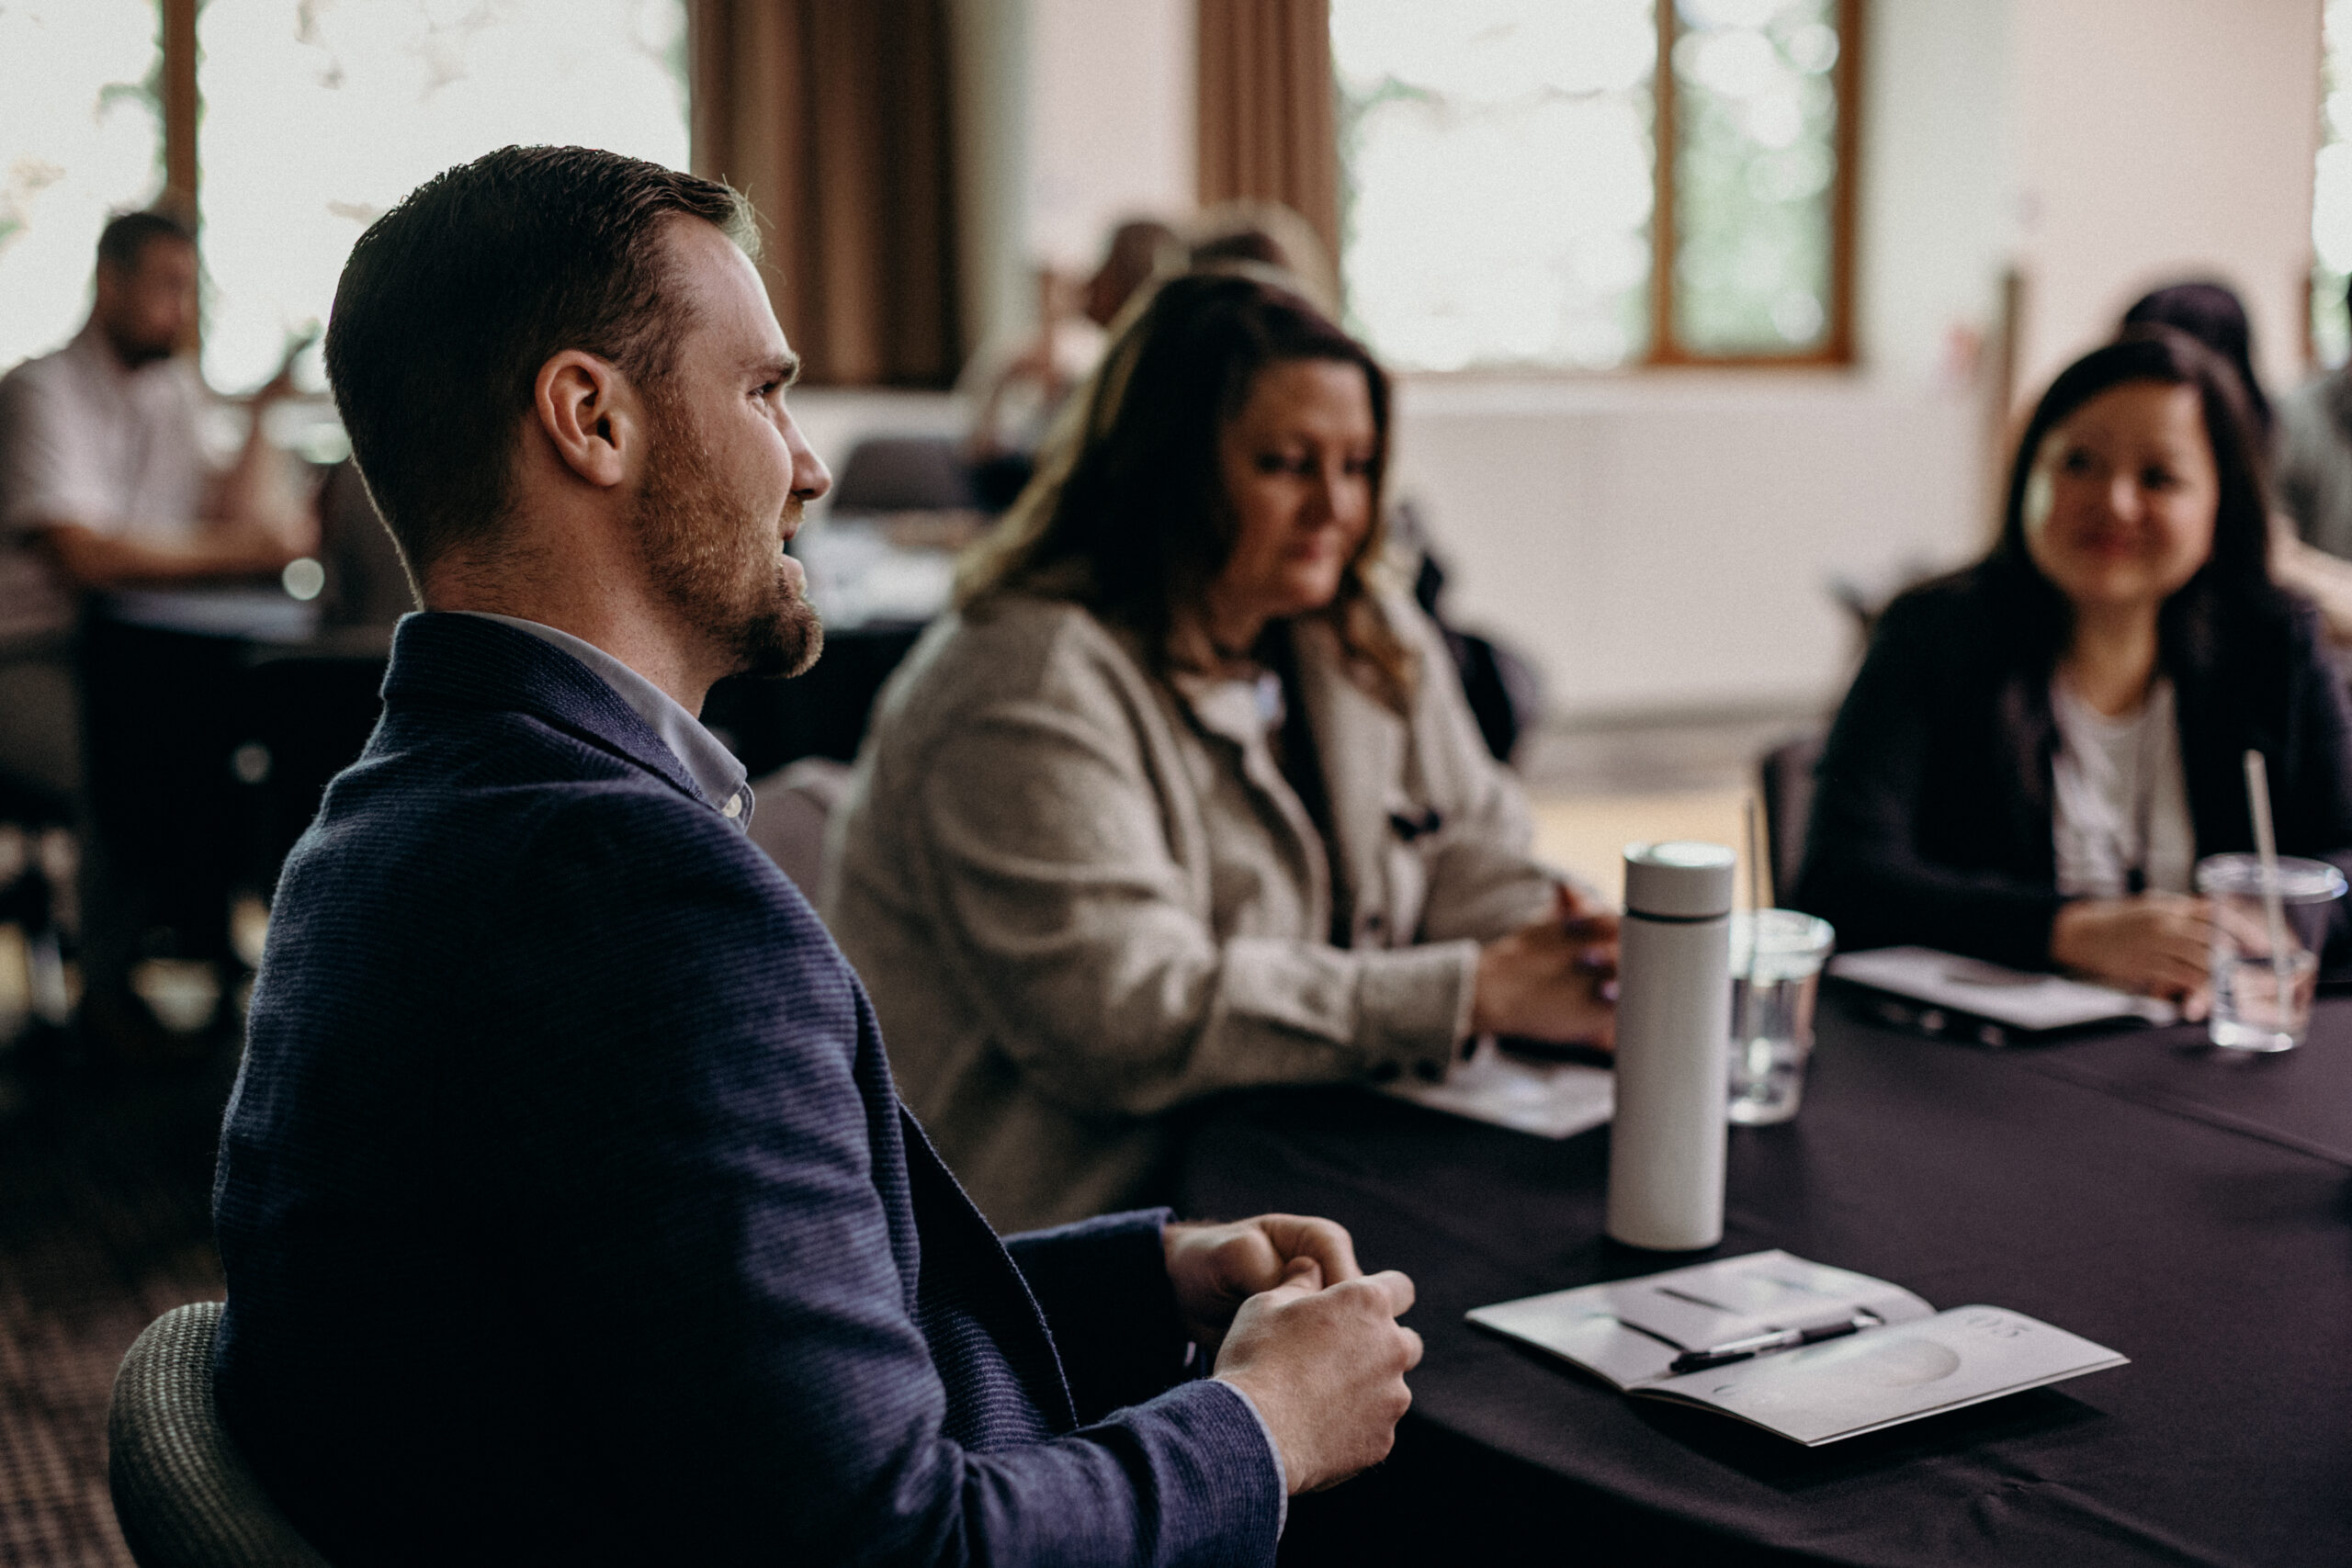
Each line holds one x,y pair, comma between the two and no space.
2013,996
1630,1331
1551,1099
1843,1388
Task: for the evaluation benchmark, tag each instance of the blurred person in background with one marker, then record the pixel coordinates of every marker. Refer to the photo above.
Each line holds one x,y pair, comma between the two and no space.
2314,455
1017,388
1265,233
2215,316
1180,799
104,484
2038,749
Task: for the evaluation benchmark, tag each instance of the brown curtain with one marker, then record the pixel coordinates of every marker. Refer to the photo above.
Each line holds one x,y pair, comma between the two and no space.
1267,129
832,116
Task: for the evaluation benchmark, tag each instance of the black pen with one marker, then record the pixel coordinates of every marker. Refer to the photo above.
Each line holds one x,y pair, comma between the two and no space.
1765,1343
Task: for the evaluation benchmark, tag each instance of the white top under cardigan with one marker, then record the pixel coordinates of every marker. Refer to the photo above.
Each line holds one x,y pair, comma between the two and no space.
2117,778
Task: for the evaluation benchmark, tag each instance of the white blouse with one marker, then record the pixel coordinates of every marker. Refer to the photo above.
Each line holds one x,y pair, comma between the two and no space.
2120,802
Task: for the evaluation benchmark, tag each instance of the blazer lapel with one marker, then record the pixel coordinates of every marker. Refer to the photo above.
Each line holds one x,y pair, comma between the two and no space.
962,1241
2025,737
2213,756
1366,798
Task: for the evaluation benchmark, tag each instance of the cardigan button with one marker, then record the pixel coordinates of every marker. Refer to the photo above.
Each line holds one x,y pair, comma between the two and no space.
1384,1072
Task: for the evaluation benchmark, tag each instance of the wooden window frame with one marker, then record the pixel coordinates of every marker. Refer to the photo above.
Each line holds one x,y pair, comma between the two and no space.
1845,81
1665,351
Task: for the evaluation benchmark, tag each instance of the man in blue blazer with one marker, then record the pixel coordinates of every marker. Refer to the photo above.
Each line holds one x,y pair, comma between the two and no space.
568,1211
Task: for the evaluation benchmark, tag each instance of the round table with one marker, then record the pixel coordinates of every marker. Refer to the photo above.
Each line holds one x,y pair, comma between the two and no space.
2187,1208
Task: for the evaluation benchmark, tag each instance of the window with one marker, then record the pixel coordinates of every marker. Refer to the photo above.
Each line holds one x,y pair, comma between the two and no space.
1593,183
2332,191
81,137
319,116
316,116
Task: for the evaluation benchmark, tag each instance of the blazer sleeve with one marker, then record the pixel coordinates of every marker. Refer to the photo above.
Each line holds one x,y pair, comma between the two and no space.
677,1101
1046,867
1102,1284
1864,870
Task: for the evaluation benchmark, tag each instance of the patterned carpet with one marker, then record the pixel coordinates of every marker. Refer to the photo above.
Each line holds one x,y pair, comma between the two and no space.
105,1176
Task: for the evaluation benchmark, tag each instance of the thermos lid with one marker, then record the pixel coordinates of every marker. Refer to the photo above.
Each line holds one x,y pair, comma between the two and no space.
1682,879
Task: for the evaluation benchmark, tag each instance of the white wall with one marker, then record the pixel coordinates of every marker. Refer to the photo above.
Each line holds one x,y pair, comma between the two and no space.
1070,117
1935,206
1110,120
1667,542
2160,139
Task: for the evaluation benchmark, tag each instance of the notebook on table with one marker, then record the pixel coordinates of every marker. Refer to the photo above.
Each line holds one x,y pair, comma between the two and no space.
1892,1357
1942,993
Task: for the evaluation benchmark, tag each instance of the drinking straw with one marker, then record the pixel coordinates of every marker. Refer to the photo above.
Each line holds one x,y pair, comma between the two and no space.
2266,844
1755,853
1754,917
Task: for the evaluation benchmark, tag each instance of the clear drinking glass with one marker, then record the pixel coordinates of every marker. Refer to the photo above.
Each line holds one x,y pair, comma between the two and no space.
1776,959
2262,994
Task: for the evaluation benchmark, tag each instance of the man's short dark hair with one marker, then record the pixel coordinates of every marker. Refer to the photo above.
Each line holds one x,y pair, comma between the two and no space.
453,299
127,235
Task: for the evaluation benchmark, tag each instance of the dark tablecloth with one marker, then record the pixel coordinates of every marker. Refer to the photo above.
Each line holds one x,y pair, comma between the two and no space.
2191,1210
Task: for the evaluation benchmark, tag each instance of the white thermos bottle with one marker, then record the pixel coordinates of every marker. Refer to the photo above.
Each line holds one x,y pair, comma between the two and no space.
1666,1152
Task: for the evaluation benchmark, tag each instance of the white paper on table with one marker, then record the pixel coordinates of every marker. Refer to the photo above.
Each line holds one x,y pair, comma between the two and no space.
2013,996
1913,1362
1885,1377
1629,1331
1551,1099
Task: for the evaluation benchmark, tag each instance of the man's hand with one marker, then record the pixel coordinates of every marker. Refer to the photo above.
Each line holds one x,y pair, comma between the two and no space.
1216,1268
1554,980
2157,943
1325,1366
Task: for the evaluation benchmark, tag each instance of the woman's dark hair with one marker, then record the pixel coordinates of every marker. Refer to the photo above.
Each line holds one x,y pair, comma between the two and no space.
2214,316
1128,514
2235,576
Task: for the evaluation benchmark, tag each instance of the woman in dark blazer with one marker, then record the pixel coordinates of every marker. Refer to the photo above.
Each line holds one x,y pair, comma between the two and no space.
2002,780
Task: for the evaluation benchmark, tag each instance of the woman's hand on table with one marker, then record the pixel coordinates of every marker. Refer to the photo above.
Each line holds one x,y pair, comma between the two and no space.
1554,980
2159,944
1215,1268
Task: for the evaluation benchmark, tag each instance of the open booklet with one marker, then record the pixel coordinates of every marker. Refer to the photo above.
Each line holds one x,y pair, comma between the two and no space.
1901,1360
1946,993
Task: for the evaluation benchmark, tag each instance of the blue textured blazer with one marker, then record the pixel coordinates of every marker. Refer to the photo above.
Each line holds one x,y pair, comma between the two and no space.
570,1216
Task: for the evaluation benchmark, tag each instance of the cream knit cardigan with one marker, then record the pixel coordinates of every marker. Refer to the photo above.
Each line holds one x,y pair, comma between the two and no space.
1082,896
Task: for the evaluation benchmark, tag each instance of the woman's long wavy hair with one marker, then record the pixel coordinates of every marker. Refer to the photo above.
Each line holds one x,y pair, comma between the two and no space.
2233,582
1128,514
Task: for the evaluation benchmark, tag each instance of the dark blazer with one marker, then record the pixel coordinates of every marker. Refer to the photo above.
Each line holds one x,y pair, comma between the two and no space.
1932,811
569,1215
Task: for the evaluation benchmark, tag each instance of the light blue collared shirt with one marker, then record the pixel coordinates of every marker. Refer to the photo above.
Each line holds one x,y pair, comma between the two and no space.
716,771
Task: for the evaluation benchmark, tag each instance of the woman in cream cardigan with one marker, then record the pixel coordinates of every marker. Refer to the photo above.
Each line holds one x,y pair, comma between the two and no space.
1177,801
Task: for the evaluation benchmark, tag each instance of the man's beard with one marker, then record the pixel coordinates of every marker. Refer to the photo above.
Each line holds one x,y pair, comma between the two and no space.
137,354
719,563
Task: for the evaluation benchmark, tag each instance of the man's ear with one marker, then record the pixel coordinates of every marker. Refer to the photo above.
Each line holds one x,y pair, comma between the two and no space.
591,415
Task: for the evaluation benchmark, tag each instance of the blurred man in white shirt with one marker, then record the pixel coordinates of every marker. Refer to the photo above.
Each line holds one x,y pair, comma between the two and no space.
103,482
